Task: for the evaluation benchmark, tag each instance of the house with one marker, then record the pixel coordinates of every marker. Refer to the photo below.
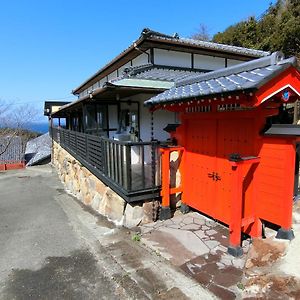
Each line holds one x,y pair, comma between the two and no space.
110,102
237,150
110,131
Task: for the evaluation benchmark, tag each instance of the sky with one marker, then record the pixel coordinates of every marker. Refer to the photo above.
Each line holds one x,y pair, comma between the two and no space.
49,47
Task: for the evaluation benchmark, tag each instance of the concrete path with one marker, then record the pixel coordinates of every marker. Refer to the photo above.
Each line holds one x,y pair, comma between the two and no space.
51,247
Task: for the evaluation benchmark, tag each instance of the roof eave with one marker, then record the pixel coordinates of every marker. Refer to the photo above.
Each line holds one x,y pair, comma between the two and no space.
111,87
210,96
116,59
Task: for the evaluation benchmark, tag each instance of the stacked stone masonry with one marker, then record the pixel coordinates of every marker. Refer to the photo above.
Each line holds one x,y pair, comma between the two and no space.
90,190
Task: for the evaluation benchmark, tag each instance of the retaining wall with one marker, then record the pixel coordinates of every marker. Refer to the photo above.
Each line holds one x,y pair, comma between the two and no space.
90,190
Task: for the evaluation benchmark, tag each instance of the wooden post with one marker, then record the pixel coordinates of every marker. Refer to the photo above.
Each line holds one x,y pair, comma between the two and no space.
165,212
285,232
165,191
236,217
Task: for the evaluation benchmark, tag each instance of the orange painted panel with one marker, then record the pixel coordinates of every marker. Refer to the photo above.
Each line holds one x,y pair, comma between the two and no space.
276,179
234,136
209,142
200,151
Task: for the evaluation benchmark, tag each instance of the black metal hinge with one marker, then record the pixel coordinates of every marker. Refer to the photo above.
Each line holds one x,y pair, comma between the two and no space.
215,176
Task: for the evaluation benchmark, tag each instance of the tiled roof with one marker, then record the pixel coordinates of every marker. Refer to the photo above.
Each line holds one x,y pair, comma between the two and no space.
204,44
244,76
38,149
152,72
150,35
14,149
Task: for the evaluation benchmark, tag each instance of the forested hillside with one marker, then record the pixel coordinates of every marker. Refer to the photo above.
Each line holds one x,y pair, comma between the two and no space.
277,29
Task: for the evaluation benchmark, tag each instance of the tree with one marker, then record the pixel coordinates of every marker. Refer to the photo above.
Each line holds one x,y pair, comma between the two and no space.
277,29
13,123
201,34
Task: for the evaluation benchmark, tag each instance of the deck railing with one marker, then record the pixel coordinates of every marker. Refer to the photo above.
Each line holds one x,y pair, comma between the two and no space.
126,167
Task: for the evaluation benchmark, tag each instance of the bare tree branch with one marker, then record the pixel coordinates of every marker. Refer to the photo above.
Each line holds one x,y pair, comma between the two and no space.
13,123
201,33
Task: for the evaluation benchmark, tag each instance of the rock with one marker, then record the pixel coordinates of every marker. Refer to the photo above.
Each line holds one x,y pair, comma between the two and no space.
83,186
87,199
70,185
76,186
92,182
264,252
133,215
96,201
148,208
90,190
112,206
100,188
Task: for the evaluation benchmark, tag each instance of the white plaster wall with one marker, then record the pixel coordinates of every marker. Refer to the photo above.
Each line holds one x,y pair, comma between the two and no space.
102,81
141,59
172,58
112,75
208,62
95,85
161,119
233,62
121,69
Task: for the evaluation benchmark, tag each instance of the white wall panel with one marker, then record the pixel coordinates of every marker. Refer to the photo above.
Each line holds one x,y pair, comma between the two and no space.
142,59
172,58
112,75
121,69
208,62
233,62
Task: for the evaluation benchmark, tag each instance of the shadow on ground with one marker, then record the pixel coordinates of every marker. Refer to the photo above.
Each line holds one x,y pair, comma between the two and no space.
73,277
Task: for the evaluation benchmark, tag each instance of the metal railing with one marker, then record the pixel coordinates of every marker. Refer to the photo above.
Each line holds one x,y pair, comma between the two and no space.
125,166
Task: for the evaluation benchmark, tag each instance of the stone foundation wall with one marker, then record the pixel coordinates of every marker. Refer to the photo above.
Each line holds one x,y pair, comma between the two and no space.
90,190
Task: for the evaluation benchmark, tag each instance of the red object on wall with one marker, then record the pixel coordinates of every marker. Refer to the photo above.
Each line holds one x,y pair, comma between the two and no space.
236,174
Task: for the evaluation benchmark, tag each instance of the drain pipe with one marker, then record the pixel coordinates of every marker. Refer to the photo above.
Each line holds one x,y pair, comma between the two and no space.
142,51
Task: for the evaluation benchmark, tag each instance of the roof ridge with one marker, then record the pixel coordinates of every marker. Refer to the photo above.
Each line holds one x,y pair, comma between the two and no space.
128,71
134,70
146,32
272,59
226,45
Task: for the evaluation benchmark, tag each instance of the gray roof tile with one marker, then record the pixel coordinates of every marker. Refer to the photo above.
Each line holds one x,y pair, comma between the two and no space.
148,33
249,75
153,72
38,149
14,149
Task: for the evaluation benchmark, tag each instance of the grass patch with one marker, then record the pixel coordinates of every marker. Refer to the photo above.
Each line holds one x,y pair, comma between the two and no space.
136,237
